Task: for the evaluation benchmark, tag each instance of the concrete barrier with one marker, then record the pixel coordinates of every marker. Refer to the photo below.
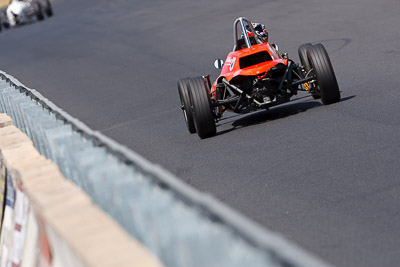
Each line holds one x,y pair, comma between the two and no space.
49,221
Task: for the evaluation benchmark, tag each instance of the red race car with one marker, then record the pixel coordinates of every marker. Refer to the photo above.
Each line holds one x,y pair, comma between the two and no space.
255,76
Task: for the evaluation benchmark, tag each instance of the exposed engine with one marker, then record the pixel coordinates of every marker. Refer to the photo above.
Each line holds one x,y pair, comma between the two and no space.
265,88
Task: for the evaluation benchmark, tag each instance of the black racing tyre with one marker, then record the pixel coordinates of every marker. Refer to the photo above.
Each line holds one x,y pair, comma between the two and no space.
307,67
186,105
39,12
49,9
326,78
202,114
303,56
5,22
2,18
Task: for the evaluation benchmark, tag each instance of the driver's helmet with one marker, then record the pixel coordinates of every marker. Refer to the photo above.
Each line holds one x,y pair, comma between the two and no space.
260,31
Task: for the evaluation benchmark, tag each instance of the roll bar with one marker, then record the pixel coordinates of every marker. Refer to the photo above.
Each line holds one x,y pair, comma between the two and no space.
243,22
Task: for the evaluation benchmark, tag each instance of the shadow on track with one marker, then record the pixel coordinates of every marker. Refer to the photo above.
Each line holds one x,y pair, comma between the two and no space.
20,26
274,114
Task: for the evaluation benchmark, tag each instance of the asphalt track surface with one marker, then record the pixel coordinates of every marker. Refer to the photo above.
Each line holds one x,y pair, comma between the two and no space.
327,177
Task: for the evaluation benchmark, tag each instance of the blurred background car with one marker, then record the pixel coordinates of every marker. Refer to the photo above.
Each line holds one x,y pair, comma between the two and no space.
24,11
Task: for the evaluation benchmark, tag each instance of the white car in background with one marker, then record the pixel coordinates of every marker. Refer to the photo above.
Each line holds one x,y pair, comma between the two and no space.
25,11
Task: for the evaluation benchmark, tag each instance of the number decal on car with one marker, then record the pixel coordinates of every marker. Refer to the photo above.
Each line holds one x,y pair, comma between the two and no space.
233,63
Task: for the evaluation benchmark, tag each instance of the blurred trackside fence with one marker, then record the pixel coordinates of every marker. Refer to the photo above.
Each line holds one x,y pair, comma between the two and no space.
48,221
183,227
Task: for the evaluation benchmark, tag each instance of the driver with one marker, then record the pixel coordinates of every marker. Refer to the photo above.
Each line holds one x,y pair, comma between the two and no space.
260,30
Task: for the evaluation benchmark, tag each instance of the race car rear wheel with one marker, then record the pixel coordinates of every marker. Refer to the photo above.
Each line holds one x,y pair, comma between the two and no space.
307,67
203,117
49,9
186,105
326,78
39,12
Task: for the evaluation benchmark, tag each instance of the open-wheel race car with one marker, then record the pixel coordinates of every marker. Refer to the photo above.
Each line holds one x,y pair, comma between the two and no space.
255,76
25,11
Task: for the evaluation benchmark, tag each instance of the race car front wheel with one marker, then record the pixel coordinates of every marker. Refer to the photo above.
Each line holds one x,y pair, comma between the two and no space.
303,56
307,67
323,70
203,117
186,105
